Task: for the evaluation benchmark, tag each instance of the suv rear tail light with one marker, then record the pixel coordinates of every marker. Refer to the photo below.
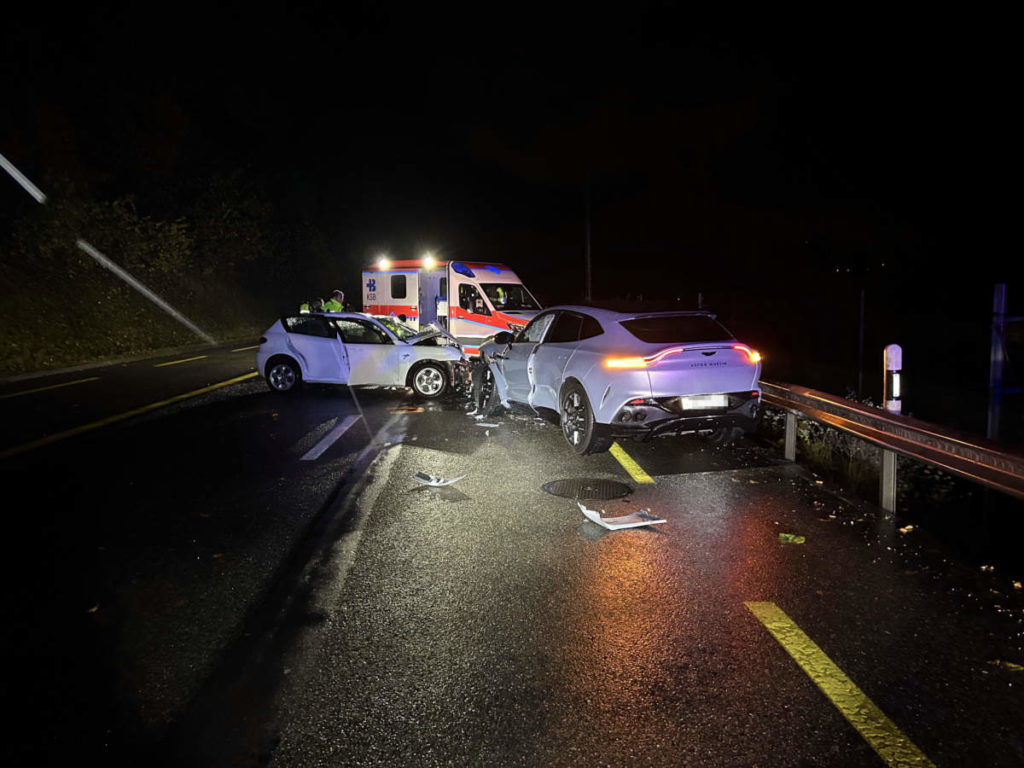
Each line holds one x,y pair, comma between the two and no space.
641,362
752,355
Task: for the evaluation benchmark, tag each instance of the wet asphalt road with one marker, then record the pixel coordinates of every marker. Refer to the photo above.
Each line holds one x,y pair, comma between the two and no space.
187,590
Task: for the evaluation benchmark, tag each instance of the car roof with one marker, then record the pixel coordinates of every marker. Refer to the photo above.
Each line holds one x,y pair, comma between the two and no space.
345,314
611,315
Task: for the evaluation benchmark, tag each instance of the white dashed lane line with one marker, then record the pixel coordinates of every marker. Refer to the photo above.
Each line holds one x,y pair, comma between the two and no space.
330,438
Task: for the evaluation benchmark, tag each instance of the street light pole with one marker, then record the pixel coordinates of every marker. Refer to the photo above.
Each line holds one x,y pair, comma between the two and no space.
586,288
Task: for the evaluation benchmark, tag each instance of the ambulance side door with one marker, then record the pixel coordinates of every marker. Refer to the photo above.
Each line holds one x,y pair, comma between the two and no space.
474,314
430,295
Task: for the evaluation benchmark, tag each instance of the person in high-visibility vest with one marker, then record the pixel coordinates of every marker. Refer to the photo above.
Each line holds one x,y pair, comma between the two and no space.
336,303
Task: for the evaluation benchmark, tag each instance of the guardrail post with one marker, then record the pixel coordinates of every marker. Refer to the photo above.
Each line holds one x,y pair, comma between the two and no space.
790,436
888,489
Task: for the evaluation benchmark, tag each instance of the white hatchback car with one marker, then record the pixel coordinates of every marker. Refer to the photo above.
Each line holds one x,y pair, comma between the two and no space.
605,374
358,349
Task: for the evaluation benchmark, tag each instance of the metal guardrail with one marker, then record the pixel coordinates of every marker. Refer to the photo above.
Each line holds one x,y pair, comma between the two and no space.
974,458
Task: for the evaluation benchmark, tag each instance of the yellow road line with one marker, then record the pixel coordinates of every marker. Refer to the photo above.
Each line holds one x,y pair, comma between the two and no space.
175,362
244,349
119,417
634,469
871,723
52,386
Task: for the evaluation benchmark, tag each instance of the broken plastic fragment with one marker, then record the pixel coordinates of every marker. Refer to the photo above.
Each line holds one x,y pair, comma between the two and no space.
1007,665
486,424
434,480
633,520
791,538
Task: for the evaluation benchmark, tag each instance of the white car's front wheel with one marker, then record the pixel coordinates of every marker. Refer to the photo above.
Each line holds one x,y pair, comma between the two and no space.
429,380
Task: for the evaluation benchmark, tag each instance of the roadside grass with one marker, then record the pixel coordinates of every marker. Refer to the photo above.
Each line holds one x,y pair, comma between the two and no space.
48,324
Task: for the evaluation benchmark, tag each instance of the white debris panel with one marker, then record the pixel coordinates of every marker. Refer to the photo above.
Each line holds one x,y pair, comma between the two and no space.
434,480
632,520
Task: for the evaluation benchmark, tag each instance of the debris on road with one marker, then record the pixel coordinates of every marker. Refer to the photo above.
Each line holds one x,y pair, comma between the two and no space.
906,529
791,538
632,520
486,424
434,480
1007,665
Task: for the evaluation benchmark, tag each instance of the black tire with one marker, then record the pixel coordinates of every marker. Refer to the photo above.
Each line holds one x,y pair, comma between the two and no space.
577,420
429,380
283,374
489,402
725,436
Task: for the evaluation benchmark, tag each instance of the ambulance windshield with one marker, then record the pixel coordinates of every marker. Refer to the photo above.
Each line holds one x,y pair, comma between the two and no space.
509,297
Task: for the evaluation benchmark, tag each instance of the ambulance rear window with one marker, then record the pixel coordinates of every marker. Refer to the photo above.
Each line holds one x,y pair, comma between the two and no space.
398,286
677,329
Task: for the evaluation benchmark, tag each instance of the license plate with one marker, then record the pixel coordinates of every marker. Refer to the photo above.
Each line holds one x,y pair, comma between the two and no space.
700,402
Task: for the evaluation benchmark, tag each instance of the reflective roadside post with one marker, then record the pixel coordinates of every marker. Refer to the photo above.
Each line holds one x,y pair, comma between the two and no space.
892,390
893,387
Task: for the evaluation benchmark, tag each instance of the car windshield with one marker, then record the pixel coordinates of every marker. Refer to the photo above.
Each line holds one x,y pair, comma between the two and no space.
509,296
401,330
677,329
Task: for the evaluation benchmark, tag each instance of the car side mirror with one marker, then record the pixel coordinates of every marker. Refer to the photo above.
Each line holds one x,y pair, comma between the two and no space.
504,337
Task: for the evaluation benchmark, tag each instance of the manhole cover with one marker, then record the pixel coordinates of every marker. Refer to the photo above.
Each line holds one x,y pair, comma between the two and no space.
587,489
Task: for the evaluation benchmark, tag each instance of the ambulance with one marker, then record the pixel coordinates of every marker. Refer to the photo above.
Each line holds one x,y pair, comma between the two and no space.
470,299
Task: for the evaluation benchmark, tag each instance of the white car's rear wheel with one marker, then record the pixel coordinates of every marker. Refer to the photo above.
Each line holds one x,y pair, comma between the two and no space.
283,375
429,380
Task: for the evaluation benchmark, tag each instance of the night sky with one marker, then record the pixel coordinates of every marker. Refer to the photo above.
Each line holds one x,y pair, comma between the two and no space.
745,157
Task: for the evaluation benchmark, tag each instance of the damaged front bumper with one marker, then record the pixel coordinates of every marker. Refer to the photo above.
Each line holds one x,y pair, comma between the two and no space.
462,376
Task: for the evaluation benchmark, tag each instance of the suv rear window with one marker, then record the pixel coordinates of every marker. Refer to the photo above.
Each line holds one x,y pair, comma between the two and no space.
677,329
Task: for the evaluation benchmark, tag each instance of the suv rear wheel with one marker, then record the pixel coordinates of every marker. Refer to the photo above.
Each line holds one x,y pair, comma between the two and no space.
577,419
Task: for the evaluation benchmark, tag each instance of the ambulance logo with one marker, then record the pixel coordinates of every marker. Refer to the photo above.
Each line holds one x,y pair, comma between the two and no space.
371,285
